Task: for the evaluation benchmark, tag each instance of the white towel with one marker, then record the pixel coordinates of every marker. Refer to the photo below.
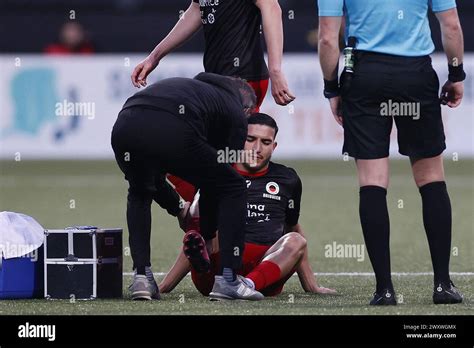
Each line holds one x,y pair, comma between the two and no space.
20,234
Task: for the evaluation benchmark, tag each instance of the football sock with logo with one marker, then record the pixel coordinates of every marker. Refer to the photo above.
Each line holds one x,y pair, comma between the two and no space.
375,223
437,220
265,274
149,274
228,274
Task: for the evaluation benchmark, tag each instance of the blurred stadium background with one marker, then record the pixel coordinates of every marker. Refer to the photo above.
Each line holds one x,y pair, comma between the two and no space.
58,167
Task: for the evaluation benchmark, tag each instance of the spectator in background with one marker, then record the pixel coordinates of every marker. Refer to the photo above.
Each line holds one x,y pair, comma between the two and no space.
72,40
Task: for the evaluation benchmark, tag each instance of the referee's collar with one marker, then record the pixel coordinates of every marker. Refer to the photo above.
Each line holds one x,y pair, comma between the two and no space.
252,175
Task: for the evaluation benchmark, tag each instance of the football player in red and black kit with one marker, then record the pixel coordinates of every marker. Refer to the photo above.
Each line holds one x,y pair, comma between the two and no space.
275,246
232,32
233,47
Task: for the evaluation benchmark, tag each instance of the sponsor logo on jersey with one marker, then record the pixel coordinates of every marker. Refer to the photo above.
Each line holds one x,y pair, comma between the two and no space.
206,3
266,195
272,188
257,211
210,18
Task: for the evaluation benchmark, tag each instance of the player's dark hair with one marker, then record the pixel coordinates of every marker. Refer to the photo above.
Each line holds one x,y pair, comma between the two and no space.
247,93
263,119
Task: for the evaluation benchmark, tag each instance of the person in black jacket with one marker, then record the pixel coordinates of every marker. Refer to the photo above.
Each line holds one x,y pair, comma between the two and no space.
177,126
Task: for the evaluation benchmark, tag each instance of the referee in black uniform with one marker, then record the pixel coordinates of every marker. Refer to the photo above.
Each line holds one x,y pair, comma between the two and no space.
390,78
176,126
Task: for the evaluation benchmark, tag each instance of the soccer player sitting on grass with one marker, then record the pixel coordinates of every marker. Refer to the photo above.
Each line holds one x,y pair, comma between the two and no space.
275,245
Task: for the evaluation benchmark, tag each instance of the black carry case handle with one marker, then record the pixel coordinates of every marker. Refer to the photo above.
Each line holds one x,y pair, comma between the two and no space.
81,228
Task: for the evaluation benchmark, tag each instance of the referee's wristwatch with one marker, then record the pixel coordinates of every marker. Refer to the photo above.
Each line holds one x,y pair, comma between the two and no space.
331,88
456,73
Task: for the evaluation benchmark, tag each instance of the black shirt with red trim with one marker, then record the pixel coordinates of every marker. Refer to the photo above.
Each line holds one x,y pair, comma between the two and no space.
233,35
274,200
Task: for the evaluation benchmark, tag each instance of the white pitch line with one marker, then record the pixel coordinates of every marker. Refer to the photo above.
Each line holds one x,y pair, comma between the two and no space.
353,274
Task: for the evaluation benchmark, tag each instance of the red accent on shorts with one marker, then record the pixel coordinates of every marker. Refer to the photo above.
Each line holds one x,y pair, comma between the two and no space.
184,189
253,255
260,87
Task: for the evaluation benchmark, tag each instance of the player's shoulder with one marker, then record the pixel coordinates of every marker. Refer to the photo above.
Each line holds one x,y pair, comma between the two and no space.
280,169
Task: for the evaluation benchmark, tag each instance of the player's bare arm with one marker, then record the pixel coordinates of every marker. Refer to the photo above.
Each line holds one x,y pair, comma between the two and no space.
453,44
306,275
175,275
188,24
273,30
329,52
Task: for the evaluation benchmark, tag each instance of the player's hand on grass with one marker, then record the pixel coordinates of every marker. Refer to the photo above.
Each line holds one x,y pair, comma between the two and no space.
323,291
183,216
142,70
280,91
452,93
336,108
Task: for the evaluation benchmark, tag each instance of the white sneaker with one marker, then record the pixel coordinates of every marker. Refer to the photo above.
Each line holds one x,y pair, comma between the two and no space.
143,289
236,290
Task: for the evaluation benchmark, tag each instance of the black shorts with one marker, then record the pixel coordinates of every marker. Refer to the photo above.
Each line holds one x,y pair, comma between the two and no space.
386,88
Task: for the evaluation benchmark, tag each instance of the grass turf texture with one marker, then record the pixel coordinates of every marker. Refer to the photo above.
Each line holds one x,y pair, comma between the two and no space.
44,190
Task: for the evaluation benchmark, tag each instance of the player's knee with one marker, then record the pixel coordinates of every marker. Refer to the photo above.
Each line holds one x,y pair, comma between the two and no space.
422,181
295,243
373,179
424,178
427,170
373,173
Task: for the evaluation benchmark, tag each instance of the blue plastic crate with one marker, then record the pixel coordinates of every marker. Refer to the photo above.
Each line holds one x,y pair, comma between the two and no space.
22,277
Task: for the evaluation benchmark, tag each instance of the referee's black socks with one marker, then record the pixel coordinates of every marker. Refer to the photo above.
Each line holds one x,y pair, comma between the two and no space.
437,221
376,228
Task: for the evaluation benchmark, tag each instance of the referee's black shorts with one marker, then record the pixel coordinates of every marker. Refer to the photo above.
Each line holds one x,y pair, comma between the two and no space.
386,88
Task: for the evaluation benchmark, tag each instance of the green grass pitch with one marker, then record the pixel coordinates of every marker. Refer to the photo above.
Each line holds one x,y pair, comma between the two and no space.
45,190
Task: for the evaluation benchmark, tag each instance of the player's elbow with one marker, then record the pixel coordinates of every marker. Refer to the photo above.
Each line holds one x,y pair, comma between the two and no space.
451,29
449,23
271,8
276,10
328,41
328,32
